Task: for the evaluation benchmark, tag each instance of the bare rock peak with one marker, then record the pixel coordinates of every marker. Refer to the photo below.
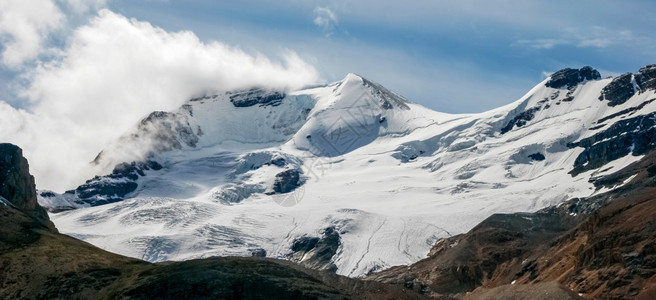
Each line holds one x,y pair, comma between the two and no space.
567,78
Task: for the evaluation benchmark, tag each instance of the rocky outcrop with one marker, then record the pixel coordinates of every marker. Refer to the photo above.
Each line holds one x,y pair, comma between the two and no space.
619,90
115,186
635,136
317,252
537,156
625,86
646,78
567,78
256,96
288,178
629,111
521,119
287,181
17,186
387,98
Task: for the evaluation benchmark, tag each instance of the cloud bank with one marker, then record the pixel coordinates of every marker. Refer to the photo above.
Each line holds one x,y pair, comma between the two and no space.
23,27
115,71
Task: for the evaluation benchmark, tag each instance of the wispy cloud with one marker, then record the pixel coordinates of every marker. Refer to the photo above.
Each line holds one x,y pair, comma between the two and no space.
541,43
23,27
114,72
325,19
591,37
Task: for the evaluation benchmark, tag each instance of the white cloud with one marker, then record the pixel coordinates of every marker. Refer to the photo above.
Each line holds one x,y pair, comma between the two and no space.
540,43
325,19
115,72
23,27
594,43
590,37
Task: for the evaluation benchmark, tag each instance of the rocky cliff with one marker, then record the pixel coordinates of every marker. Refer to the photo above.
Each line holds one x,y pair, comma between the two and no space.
17,186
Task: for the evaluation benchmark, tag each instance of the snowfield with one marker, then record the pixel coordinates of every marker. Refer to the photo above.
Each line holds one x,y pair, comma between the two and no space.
390,176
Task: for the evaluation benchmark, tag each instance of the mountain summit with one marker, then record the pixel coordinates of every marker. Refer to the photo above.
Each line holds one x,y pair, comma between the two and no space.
350,176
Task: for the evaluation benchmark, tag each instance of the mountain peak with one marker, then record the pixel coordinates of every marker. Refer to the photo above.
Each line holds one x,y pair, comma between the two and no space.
352,77
379,171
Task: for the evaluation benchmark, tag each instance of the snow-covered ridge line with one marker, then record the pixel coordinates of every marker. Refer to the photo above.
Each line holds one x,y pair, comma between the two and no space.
350,176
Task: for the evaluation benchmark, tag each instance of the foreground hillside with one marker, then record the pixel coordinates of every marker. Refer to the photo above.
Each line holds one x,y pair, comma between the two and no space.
39,263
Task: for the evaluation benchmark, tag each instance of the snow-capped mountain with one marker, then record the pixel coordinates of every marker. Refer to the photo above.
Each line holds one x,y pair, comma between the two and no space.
350,176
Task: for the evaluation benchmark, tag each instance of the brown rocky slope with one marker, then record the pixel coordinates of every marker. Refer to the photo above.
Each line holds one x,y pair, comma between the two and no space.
602,247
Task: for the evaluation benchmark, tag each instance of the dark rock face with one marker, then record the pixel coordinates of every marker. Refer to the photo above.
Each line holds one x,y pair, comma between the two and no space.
628,111
317,252
287,181
115,186
98,192
619,90
259,252
567,78
521,119
388,99
646,78
257,96
131,170
17,185
537,156
255,160
588,73
628,136
304,244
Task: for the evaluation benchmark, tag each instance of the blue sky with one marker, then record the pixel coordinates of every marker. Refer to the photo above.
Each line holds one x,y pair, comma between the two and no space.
77,74
464,56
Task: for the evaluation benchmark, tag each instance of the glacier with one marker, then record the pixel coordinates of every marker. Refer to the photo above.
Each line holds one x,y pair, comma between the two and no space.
254,172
